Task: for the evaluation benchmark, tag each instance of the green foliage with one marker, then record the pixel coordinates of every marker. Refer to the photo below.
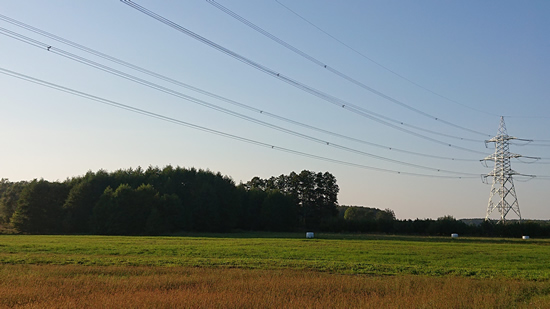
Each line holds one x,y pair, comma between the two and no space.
447,225
173,214
82,199
39,207
9,195
129,202
315,194
164,201
278,212
357,213
129,211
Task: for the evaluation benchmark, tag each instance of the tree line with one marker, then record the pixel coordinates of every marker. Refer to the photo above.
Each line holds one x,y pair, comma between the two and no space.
170,200
383,221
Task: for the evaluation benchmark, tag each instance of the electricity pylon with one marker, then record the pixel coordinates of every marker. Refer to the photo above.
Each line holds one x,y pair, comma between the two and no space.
503,196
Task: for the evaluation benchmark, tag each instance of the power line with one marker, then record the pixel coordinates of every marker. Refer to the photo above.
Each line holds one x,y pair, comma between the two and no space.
531,144
326,97
335,71
130,77
527,117
532,162
381,65
208,130
221,98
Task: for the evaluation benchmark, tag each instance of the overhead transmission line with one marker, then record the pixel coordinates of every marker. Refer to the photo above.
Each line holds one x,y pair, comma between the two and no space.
326,97
130,77
381,65
207,104
400,75
212,95
529,142
333,70
532,143
212,131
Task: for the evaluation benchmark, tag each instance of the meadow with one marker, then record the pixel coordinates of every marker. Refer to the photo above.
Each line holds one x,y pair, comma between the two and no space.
273,270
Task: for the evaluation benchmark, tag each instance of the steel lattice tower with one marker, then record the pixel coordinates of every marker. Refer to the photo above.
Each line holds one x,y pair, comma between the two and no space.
503,197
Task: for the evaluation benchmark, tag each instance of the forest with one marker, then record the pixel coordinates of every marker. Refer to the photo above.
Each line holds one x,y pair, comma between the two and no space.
168,200
173,200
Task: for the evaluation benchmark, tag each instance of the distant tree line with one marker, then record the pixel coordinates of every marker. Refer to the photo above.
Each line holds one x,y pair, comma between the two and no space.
383,221
170,200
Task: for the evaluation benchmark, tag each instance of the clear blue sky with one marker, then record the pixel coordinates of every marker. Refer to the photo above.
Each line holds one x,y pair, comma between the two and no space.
473,60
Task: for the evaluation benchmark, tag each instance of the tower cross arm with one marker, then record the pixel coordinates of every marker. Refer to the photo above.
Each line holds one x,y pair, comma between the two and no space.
501,138
508,155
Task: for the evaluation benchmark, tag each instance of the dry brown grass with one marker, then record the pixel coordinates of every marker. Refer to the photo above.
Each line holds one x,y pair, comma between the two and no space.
73,286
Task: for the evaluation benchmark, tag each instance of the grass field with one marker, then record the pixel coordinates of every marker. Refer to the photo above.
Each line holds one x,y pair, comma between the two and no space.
273,270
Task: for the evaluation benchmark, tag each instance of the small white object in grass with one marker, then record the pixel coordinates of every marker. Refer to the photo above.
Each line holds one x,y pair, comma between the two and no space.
454,235
309,235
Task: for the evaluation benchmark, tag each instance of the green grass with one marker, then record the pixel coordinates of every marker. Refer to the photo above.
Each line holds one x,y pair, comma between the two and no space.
334,253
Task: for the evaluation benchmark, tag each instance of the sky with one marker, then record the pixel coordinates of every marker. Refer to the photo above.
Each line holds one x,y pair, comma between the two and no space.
410,92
